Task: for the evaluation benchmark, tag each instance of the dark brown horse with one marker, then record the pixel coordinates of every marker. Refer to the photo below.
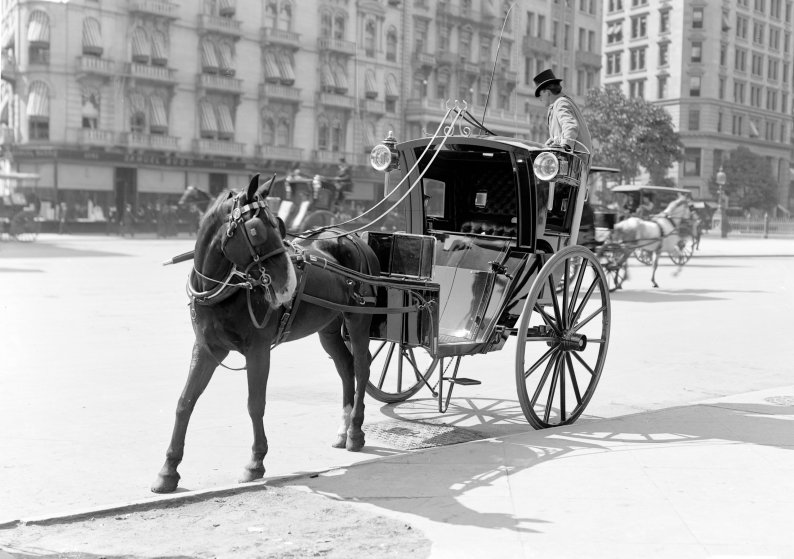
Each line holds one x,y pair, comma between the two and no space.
241,293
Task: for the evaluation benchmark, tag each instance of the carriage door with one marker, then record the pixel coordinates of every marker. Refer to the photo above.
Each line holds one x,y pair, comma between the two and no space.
125,182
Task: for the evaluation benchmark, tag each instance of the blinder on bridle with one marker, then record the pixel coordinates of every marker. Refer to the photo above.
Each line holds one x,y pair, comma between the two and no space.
250,237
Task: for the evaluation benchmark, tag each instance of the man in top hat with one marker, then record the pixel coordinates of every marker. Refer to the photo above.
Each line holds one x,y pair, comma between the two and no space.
566,123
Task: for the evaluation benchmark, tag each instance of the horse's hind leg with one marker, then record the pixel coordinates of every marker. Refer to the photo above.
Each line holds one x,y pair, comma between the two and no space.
257,369
655,265
202,365
358,327
333,343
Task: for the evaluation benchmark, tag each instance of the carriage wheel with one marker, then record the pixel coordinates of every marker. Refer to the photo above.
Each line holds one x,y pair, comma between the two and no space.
644,256
319,218
24,228
614,261
562,339
683,250
397,371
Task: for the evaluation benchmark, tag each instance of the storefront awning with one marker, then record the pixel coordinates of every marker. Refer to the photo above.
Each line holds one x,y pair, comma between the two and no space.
225,122
159,50
158,118
341,80
327,78
226,59
92,36
209,123
370,89
38,100
392,91
140,46
272,74
39,29
209,59
285,69
226,8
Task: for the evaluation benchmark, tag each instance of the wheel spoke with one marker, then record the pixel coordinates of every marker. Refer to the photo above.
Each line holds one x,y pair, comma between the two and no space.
577,286
552,389
574,383
542,381
585,365
547,319
585,300
589,318
555,304
377,351
400,357
386,364
539,362
564,323
561,368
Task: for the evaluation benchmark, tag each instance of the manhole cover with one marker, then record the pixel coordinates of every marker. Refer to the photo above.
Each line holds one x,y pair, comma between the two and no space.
780,400
412,435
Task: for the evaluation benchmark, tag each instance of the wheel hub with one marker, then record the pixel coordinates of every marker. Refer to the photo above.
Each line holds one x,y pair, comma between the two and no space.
570,341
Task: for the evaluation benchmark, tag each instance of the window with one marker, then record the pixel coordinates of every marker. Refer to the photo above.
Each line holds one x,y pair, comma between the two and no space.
697,18
615,5
664,54
444,32
784,103
738,92
637,58
769,131
465,35
639,27
759,5
723,55
774,38
664,21
742,23
566,37
369,38
697,52
721,88
692,162
757,66
339,27
771,99
737,125
758,33
755,95
719,122
694,119
661,87
772,69
420,36
694,86
90,109
531,24
391,45
637,88
613,63
541,27
740,60
614,32
719,155
555,29
638,3
580,90
582,38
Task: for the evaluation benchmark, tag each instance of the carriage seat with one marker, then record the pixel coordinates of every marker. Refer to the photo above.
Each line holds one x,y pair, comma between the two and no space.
488,228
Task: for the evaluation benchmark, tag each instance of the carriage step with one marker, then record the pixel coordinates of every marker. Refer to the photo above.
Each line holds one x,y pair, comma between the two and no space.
463,381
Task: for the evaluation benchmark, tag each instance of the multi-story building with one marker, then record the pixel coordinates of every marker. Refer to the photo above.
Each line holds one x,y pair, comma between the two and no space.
115,102
723,70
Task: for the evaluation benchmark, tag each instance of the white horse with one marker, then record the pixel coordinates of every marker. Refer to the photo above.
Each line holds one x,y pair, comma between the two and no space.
657,234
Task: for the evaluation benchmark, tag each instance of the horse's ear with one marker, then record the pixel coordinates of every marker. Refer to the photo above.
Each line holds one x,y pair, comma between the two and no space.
282,227
265,189
252,187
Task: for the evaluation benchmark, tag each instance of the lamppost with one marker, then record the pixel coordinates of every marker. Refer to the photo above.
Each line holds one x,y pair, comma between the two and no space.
723,225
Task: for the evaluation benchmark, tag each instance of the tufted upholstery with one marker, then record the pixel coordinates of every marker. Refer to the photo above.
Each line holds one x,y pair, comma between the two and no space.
501,209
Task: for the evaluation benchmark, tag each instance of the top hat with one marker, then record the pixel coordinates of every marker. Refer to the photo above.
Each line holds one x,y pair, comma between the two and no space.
546,77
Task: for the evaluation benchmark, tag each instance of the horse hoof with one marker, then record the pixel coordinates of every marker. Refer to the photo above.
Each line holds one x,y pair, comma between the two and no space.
354,444
252,475
165,484
341,441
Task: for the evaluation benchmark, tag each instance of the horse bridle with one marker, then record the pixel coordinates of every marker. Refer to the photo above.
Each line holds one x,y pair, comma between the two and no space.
253,230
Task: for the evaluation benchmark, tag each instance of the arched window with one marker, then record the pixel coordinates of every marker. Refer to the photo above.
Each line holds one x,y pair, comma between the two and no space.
339,26
326,25
322,135
92,37
38,111
285,21
90,108
137,104
336,136
282,133
391,45
140,46
369,38
159,49
271,14
268,130
39,38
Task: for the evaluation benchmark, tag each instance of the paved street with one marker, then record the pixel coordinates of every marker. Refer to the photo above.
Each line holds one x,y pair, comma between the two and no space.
96,341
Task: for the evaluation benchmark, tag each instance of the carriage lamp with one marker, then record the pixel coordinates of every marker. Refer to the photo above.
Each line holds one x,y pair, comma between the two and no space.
384,156
546,166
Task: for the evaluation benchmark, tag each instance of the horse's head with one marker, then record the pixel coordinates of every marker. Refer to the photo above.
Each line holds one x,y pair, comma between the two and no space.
193,195
241,229
677,210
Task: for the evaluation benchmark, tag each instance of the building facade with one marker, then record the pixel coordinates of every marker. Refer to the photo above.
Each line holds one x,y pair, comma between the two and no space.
722,69
116,102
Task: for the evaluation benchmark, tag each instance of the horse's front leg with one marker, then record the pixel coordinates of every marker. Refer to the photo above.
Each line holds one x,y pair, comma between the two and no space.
655,265
202,365
258,369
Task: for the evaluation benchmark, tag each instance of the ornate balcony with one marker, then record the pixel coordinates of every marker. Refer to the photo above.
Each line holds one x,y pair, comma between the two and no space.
93,137
336,45
160,8
151,73
139,140
93,66
280,37
372,106
280,92
219,83
532,45
585,58
469,67
423,59
424,107
336,100
283,153
222,25
219,147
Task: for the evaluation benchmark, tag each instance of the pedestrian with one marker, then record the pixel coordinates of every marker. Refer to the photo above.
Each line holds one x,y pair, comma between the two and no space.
344,182
566,123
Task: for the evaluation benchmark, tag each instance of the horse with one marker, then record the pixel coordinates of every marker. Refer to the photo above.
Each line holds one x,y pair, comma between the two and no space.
196,200
657,234
242,288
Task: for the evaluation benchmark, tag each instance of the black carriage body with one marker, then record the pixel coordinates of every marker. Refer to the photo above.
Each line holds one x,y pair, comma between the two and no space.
479,216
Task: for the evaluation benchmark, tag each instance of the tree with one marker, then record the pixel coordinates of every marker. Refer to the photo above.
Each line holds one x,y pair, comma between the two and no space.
631,133
749,181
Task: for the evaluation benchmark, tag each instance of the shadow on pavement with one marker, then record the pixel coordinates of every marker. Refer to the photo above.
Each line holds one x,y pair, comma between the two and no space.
44,249
658,295
438,484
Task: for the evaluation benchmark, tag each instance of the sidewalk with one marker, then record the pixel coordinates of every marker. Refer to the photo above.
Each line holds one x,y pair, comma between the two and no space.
707,480
712,245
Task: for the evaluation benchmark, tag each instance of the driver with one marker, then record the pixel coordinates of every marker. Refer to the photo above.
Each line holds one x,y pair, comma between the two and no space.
566,123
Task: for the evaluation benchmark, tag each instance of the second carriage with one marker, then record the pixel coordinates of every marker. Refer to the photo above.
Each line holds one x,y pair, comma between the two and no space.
485,234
